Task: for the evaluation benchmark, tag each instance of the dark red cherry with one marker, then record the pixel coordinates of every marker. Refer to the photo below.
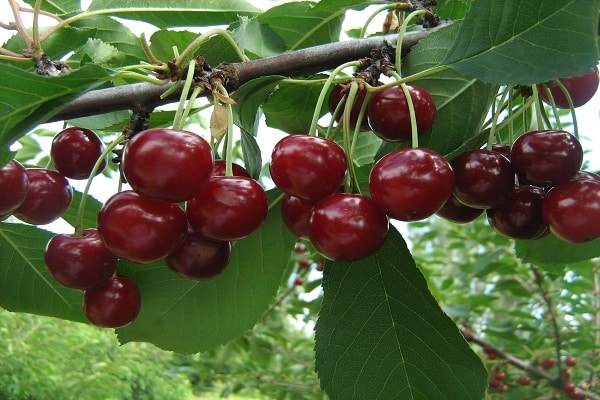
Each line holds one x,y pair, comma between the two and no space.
167,164
220,168
48,197
572,210
295,213
546,158
228,208
580,88
483,178
502,148
410,184
308,167
586,176
520,215
74,151
112,304
140,229
14,185
389,117
79,262
455,211
347,227
337,95
199,258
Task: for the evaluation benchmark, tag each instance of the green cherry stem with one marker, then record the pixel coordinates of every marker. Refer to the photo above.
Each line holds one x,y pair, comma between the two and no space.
346,129
539,121
178,120
361,116
571,107
375,13
229,143
497,113
204,37
401,32
550,97
411,112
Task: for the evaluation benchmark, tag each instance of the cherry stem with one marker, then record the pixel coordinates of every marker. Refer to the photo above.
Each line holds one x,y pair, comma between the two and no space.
571,107
229,142
81,209
190,104
20,25
538,109
359,120
401,32
493,128
148,51
552,105
139,77
411,111
178,120
193,46
347,141
363,30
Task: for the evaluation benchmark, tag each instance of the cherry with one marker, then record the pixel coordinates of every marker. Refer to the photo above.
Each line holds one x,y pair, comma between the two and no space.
580,88
199,258
299,281
483,178
586,176
140,229
572,211
304,263
502,148
491,356
524,380
295,213
455,211
520,216
228,208
14,184
389,117
220,167
112,304
74,151
49,196
569,386
347,227
337,95
574,394
411,183
547,363
308,167
500,376
570,361
494,383
167,164
567,374
546,158
502,388
79,262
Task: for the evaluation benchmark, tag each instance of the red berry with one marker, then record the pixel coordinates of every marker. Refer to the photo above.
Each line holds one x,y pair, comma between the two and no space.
167,164
455,211
140,229
112,304
74,152
79,262
570,361
569,386
308,167
228,208
48,197
320,266
580,88
491,356
586,176
410,184
295,212
14,185
547,363
567,374
500,375
220,167
299,281
337,94
347,227
502,388
304,263
494,383
524,380
389,117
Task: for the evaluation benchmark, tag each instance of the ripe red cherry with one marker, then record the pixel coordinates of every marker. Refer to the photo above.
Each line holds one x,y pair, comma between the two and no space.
547,363
140,229
410,184
500,376
455,211
299,281
524,380
295,213
347,227
112,304
389,117
337,94
483,178
494,383
79,262
570,361
199,258
580,88
167,164
228,208
14,185
546,158
220,168
308,167
520,215
572,211
49,196
586,176
74,151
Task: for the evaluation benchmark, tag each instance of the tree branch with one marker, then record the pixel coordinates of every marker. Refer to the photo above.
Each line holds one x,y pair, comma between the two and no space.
295,63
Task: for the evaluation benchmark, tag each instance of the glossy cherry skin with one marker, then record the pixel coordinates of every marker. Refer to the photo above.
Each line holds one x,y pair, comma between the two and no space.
167,164
79,262
140,229
580,88
219,169
48,197
572,210
410,184
14,185
586,176
74,151
389,117
295,213
483,178
347,227
546,158
228,208
112,304
520,215
337,94
455,211
308,167
199,258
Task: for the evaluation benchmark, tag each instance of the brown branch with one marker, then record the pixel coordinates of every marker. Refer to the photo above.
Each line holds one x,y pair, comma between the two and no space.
295,63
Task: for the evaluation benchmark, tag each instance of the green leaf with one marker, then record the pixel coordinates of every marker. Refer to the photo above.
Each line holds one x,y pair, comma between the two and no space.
252,155
249,98
172,13
452,9
255,39
58,7
25,284
102,53
90,214
192,316
551,250
302,25
382,335
516,42
30,99
113,121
